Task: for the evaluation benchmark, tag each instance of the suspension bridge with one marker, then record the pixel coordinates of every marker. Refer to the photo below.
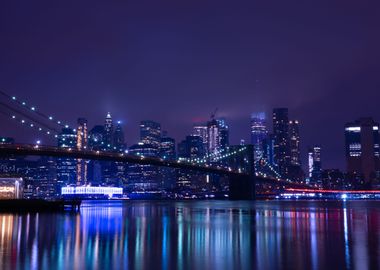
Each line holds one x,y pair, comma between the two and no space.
236,164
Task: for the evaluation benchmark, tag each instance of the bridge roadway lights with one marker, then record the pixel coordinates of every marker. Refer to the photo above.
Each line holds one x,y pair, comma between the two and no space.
242,187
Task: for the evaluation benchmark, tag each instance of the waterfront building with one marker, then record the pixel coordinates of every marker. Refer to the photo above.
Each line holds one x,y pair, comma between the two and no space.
11,188
362,142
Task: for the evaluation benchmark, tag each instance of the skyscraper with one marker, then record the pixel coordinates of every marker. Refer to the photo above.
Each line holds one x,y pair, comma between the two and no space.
108,132
167,148
281,139
213,137
201,131
191,148
118,138
294,143
82,140
315,165
66,167
150,133
363,149
224,133
259,134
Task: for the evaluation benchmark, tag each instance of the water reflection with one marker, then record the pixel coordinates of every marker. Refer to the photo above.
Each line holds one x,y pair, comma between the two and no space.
196,235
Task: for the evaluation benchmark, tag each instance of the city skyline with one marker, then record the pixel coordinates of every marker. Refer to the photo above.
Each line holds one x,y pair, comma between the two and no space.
153,62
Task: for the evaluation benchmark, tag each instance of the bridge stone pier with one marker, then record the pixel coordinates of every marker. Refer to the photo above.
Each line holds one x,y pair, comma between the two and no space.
242,187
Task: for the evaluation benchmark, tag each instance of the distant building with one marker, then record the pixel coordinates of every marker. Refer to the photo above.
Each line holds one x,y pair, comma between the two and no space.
6,141
118,138
334,179
281,139
108,132
201,131
167,149
315,165
259,134
82,144
294,143
66,167
97,138
142,177
213,138
363,149
224,133
150,133
191,148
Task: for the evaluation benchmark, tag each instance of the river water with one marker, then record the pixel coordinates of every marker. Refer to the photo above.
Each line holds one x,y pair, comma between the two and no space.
195,235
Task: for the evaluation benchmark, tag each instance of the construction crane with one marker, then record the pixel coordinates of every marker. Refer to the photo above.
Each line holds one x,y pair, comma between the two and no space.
213,114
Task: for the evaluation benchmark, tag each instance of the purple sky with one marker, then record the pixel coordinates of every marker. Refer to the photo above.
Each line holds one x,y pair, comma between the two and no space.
176,61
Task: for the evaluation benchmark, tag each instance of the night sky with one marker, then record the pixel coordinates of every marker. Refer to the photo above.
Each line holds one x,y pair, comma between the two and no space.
176,61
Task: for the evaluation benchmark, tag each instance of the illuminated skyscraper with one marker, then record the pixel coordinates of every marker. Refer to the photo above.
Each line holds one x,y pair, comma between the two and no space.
315,165
294,143
213,137
150,133
281,139
82,141
66,167
108,132
224,133
363,149
201,131
259,134
118,138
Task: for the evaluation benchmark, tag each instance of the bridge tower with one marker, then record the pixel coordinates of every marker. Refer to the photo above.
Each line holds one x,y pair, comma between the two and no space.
242,186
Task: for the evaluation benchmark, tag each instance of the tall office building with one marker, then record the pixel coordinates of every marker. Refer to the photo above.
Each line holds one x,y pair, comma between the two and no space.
363,149
66,167
315,165
213,137
224,133
191,148
201,131
108,132
281,139
96,138
150,133
259,134
143,177
118,138
82,141
167,149
294,143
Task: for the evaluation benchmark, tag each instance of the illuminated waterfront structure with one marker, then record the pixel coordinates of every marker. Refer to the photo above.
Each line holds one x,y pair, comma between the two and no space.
82,143
315,165
66,167
150,133
281,139
11,188
363,149
92,192
259,134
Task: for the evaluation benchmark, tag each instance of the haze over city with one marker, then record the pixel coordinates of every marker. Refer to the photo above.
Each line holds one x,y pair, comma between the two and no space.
175,62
